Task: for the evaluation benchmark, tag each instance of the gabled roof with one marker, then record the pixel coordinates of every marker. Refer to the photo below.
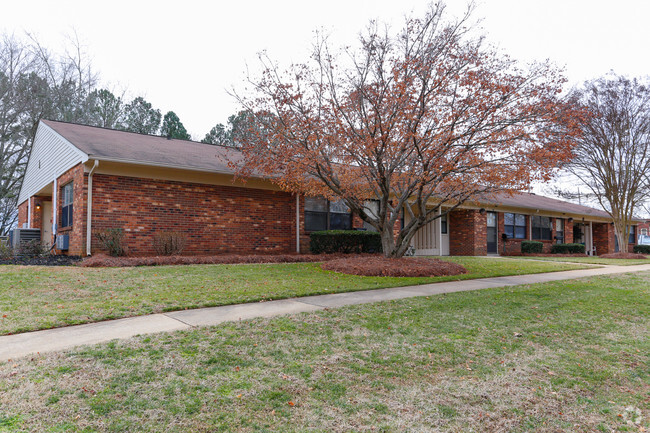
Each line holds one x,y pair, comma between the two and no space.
539,202
121,146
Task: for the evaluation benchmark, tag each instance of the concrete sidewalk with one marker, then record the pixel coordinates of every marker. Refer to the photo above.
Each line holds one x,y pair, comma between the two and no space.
14,346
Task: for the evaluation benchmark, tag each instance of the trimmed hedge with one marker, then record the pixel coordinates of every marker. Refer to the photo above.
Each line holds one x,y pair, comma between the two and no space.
567,249
642,249
344,241
532,247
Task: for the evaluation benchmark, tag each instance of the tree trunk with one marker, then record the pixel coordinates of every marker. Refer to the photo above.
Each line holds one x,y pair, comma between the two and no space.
622,239
388,243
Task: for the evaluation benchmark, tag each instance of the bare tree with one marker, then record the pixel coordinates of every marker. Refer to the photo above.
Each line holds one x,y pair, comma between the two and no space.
34,84
16,63
613,155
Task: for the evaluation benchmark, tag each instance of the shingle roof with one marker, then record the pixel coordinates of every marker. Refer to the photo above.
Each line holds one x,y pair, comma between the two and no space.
533,201
109,144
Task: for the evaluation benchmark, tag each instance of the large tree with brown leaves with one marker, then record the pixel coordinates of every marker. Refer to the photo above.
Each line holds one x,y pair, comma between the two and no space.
418,119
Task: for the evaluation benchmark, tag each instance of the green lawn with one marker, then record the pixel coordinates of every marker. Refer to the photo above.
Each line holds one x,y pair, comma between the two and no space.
34,298
556,357
592,260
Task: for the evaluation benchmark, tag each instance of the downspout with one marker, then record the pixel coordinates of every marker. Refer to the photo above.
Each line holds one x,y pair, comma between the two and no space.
440,231
90,208
297,223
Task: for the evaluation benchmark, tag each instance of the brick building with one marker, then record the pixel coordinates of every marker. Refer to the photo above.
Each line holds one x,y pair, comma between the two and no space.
81,179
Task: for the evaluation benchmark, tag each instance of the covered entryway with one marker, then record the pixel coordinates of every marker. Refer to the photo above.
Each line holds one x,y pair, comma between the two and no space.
583,234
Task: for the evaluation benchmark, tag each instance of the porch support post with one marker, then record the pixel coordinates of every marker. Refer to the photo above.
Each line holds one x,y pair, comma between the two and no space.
297,223
54,206
439,231
89,209
29,213
591,238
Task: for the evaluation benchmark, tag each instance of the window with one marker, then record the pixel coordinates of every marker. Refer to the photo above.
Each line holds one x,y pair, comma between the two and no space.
372,209
443,224
559,230
321,214
541,228
66,209
340,217
632,238
515,225
644,232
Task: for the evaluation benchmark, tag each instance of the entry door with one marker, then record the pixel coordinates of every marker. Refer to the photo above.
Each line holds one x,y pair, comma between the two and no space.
46,229
444,235
492,247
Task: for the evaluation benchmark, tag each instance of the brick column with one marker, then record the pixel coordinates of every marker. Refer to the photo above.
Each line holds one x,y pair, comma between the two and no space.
467,233
604,238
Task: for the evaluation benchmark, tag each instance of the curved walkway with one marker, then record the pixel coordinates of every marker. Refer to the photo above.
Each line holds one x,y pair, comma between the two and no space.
14,346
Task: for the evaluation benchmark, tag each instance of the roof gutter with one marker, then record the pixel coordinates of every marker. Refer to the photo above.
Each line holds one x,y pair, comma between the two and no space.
89,209
161,165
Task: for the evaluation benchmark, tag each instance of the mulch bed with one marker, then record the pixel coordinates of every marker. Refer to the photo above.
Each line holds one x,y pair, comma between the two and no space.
623,256
48,260
379,266
103,260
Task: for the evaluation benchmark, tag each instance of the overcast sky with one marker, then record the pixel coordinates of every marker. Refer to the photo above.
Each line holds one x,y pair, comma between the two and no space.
185,55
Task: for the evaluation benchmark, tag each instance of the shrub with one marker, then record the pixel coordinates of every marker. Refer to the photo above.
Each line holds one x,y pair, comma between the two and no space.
33,248
344,241
6,252
112,240
532,247
642,249
169,243
567,249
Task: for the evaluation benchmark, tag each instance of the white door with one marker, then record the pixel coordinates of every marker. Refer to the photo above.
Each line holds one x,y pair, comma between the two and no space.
46,229
444,235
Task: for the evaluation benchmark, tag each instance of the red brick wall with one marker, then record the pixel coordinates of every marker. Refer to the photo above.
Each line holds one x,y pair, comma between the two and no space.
36,216
22,213
77,231
568,231
467,233
215,219
604,238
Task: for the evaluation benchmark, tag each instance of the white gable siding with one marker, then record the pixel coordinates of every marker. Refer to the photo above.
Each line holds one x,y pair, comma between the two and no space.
51,156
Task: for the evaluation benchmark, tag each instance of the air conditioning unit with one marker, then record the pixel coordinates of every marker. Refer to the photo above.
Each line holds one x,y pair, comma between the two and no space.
21,236
62,242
